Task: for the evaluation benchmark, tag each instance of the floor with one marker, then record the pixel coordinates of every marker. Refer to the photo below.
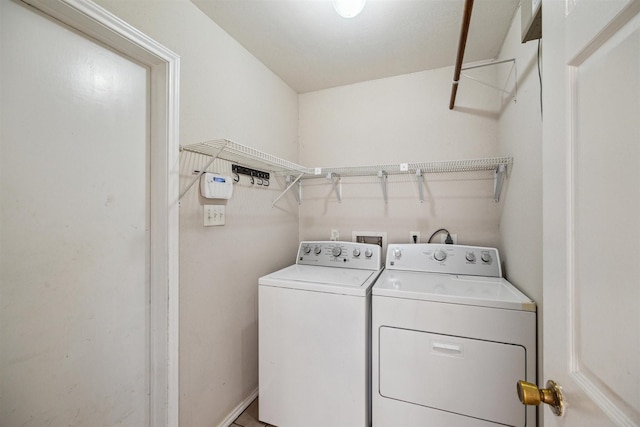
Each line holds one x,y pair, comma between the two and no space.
249,418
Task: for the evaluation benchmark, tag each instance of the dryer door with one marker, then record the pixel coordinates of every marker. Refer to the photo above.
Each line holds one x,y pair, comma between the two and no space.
470,377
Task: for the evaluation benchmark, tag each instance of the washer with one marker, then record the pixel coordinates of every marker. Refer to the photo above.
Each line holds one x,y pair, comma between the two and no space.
314,336
450,340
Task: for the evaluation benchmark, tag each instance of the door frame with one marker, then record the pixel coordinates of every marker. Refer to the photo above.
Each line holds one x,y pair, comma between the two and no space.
97,23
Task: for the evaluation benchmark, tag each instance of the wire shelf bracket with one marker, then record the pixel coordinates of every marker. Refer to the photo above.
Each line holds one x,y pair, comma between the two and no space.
291,181
514,71
498,179
383,180
214,155
420,180
337,184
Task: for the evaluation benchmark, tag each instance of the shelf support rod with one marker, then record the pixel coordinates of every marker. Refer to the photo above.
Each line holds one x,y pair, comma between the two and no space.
203,170
420,179
499,89
383,177
488,64
337,184
514,71
298,196
498,179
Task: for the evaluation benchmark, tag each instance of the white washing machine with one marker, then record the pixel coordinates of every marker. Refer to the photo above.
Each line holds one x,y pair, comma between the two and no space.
314,337
450,340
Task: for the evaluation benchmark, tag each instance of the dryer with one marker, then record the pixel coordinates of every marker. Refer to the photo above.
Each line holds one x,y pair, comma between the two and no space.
450,339
314,336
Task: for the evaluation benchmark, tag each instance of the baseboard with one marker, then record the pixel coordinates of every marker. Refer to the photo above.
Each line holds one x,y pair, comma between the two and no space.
239,409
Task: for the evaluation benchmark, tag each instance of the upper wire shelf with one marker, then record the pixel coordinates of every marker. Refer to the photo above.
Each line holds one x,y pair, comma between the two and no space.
243,155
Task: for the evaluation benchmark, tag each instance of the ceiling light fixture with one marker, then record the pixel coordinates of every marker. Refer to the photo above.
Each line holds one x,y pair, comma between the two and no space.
348,8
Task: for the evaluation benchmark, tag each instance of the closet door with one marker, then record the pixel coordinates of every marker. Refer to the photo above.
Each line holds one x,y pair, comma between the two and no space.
74,221
591,199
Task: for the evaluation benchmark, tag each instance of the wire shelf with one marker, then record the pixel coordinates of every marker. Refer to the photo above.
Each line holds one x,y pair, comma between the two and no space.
470,165
252,158
245,156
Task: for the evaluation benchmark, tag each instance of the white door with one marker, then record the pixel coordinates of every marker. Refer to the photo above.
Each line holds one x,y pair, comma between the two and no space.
591,137
74,219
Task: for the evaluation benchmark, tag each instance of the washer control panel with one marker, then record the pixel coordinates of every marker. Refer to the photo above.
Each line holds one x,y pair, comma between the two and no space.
340,254
442,258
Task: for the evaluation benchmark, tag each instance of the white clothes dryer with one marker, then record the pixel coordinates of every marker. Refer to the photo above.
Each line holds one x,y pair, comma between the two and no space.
314,337
450,339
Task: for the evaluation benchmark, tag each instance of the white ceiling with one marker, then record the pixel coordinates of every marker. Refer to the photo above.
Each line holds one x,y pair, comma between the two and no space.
311,47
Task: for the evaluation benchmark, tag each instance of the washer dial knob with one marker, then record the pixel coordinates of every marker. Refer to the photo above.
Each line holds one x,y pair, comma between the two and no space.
368,253
356,252
306,250
317,250
336,251
471,257
486,257
397,253
440,255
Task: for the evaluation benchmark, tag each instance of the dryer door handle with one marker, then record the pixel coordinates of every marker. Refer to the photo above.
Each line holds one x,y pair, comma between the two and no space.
447,349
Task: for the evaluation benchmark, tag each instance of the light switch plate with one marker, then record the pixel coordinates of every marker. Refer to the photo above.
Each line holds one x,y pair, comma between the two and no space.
214,215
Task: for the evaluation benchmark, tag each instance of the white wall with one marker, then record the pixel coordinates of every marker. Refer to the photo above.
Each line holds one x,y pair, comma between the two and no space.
225,93
393,120
520,136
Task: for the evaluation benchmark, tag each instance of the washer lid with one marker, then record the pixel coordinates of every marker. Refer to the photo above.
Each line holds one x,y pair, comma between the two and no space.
453,289
345,281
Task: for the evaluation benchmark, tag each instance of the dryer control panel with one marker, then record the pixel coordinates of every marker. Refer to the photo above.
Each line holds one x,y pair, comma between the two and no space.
442,258
340,254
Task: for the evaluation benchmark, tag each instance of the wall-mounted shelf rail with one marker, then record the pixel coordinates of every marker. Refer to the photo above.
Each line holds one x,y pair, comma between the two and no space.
295,174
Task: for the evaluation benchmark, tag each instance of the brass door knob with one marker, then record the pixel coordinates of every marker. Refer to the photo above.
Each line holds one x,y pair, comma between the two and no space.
530,394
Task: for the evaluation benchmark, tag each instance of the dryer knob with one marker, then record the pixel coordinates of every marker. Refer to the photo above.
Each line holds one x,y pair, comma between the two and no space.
486,257
356,252
317,250
440,255
397,253
306,250
336,251
368,253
